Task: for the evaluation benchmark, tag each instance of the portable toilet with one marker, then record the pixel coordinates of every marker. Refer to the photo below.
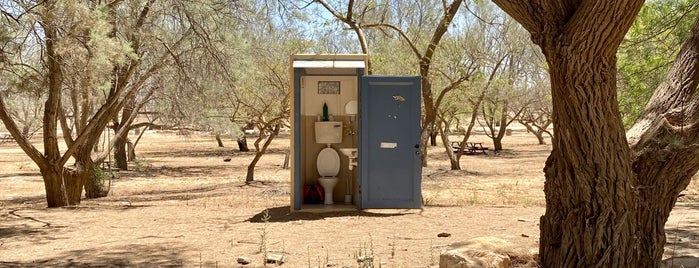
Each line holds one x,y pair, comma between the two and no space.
355,138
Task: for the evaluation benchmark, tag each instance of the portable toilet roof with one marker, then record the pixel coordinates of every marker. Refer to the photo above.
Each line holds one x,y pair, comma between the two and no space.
316,63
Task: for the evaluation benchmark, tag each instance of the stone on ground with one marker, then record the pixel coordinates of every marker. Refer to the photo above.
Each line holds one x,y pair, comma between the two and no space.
480,252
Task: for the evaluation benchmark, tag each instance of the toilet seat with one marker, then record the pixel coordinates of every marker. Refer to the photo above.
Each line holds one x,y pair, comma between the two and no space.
328,162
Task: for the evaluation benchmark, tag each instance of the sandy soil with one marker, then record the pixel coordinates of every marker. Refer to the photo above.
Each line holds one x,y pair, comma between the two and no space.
181,205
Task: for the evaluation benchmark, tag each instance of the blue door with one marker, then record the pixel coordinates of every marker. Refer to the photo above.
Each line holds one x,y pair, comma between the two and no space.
389,152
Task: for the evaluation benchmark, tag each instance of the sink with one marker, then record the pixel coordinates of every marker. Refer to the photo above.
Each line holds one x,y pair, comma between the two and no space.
351,153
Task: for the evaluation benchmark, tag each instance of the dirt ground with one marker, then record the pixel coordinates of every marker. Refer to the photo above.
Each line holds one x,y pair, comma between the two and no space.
181,205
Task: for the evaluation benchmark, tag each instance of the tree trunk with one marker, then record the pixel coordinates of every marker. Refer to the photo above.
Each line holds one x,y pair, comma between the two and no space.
453,159
665,142
120,154
540,137
63,186
497,144
243,144
590,218
131,148
219,141
590,200
429,118
260,151
474,117
433,137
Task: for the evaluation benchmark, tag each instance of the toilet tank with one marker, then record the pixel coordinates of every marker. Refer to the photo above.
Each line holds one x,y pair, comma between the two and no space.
328,132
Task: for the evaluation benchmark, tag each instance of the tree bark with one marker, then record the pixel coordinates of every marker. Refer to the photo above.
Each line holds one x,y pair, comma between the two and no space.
590,200
590,218
63,186
665,145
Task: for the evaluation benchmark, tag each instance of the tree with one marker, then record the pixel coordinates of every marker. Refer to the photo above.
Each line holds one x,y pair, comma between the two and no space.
430,102
537,119
63,184
200,89
606,203
351,18
665,147
264,94
485,42
536,101
96,60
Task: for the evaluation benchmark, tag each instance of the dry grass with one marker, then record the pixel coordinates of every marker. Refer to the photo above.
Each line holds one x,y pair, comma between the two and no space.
513,177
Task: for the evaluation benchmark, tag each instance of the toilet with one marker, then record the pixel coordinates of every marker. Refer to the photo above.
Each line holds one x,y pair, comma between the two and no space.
328,161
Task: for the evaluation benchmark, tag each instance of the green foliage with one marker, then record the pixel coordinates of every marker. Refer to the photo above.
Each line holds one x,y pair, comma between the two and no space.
99,177
650,46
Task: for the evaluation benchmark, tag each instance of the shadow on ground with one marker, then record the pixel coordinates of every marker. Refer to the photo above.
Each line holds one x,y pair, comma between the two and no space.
158,255
282,214
173,172
21,231
179,195
209,152
25,200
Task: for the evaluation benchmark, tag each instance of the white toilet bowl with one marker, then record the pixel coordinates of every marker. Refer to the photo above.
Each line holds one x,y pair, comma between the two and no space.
328,164
328,184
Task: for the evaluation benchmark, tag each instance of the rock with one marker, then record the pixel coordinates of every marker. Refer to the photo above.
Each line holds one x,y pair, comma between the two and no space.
244,260
443,235
275,258
481,252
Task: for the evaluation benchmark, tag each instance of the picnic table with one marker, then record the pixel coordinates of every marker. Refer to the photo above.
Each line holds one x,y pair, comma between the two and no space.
470,149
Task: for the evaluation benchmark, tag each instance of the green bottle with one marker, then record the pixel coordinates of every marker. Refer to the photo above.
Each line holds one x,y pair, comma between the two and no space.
325,112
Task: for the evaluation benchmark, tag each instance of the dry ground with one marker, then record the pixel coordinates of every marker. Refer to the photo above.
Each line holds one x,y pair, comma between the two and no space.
182,205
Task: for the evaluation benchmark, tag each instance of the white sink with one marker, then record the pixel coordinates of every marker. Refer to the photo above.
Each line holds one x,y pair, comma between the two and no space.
349,152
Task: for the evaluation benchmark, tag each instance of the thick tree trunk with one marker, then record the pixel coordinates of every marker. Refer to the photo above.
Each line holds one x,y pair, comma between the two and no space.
590,218
63,186
590,200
